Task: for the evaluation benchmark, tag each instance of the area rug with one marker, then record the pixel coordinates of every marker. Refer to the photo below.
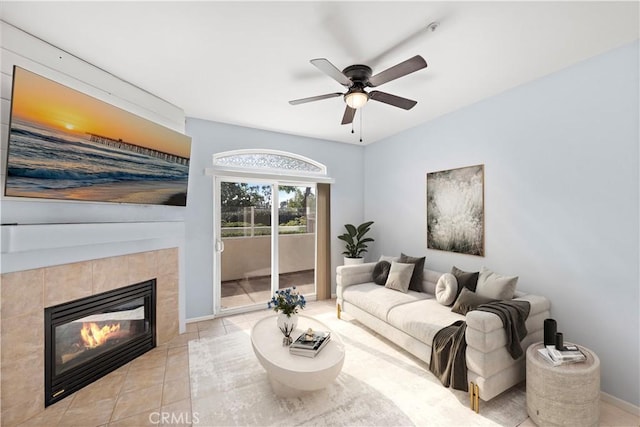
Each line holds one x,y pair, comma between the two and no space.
380,385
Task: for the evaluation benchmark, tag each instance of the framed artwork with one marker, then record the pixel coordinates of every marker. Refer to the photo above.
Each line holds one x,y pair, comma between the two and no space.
64,144
455,210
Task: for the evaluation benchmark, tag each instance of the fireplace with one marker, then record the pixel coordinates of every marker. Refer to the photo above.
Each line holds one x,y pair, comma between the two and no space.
87,338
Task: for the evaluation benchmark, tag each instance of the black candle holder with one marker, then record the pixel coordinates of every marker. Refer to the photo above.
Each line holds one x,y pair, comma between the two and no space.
550,329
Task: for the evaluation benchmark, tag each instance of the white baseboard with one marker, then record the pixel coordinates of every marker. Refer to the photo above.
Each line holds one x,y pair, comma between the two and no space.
619,403
200,319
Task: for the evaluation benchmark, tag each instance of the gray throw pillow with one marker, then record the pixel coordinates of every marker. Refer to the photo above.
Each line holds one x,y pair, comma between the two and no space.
416,277
468,301
494,285
465,279
381,272
399,277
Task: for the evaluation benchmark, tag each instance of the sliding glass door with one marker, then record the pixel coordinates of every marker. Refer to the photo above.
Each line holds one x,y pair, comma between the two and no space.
297,237
255,254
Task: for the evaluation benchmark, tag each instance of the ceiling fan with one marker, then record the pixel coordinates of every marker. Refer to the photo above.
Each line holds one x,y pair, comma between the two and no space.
358,77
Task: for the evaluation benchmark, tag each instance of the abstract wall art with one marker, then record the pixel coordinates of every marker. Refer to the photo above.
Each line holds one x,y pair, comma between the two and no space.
455,210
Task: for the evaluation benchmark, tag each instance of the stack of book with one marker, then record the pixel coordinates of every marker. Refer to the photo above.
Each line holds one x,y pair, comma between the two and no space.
565,356
310,343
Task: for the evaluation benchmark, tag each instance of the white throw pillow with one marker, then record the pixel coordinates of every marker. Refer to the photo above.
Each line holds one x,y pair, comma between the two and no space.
399,276
496,286
447,289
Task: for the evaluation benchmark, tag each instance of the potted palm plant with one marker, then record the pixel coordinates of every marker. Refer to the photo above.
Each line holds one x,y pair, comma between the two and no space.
355,242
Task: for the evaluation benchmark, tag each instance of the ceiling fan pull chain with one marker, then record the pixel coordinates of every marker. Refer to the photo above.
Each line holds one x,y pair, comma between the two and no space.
361,119
352,131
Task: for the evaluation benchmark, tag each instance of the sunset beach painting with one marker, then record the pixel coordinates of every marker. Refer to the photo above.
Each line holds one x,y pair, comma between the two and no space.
64,144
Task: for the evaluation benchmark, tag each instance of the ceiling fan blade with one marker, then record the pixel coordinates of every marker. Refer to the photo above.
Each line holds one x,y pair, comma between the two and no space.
349,114
402,69
329,69
394,100
315,98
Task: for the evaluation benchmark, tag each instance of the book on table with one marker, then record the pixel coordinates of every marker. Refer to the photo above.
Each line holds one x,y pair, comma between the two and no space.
310,344
565,356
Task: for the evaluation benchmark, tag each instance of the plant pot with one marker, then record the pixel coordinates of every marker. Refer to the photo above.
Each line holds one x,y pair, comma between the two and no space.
353,261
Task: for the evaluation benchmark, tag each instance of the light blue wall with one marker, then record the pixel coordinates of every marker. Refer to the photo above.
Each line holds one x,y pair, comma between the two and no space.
561,199
344,163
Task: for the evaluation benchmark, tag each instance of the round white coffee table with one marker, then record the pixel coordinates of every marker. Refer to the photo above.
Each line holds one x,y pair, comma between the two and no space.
291,375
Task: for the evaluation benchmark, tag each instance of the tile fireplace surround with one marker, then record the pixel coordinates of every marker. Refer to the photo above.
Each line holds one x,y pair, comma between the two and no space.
25,294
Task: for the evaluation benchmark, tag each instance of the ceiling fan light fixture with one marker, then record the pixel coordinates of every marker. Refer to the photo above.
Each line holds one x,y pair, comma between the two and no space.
356,99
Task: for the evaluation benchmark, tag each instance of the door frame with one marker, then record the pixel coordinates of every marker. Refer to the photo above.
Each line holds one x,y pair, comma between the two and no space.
240,164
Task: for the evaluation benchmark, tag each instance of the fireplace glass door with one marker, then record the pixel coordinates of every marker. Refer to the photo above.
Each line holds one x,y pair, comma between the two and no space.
90,336
87,338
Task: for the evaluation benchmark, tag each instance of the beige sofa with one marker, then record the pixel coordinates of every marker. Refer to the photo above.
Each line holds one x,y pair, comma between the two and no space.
411,320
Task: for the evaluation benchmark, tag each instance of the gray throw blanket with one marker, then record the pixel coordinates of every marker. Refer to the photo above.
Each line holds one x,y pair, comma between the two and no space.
448,350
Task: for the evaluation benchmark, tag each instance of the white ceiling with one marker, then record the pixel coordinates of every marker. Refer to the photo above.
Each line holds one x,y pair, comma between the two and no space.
241,62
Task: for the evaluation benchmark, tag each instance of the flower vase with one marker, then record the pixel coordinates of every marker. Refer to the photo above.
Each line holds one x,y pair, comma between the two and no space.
287,324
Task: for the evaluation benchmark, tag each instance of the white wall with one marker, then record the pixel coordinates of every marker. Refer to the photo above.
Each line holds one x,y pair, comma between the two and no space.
561,199
344,163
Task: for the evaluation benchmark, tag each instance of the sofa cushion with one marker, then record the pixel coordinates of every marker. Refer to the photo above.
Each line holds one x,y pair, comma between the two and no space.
377,300
465,279
468,301
399,276
446,289
494,285
381,272
422,319
416,276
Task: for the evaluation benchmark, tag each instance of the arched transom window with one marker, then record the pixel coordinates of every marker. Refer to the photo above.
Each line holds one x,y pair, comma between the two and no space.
268,162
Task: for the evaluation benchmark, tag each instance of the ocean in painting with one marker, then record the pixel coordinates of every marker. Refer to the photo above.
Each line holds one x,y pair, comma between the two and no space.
44,163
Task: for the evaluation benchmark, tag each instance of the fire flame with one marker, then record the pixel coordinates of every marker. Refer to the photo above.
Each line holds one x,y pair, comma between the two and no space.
94,336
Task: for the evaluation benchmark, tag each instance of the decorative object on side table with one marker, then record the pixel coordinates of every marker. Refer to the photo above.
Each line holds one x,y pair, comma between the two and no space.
287,302
355,242
554,350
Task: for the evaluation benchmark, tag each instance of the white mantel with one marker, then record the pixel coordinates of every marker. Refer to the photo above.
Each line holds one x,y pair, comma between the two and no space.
29,246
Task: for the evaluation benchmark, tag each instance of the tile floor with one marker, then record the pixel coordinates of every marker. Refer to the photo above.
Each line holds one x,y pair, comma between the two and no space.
154,389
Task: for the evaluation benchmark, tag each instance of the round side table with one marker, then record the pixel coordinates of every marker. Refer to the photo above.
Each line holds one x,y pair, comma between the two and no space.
565,395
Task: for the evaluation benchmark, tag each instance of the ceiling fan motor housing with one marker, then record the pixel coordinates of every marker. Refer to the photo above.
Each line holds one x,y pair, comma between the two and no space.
358,73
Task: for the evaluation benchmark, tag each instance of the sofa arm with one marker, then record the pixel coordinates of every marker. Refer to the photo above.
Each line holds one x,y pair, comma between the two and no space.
347,275
485,332
486,322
